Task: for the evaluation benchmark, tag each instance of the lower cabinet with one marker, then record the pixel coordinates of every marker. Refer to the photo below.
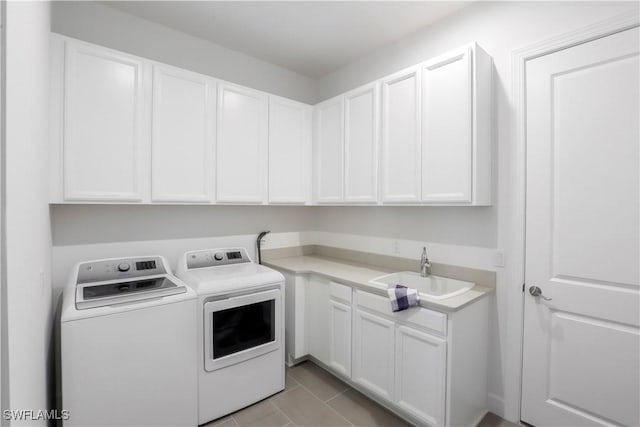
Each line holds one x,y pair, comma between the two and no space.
420,373
373,353
316,318
340,337
401,364
426,365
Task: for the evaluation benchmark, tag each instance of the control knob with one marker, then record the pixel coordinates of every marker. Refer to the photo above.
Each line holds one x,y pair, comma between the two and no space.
218,256
123,267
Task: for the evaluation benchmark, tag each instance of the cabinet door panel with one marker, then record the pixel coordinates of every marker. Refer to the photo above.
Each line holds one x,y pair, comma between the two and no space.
447,128
328,151
420,374
361,144
241,144
316,318
401,145
340,345
182,138
103,125
289,150
373,353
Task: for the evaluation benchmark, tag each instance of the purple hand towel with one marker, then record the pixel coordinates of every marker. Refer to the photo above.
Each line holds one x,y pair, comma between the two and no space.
402,297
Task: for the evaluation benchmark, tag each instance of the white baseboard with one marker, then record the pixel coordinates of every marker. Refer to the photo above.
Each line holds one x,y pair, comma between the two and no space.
495,404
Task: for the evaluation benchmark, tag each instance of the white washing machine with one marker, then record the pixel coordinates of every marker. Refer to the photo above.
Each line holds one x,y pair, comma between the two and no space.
127,345
240,328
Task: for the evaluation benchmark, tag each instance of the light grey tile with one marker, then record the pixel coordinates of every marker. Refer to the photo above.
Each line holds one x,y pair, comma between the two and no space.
305,409
222,422
492,420
263,414
318,381
362,411
290,382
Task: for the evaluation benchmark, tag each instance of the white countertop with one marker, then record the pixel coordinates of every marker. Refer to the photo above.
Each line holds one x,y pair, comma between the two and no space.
359,275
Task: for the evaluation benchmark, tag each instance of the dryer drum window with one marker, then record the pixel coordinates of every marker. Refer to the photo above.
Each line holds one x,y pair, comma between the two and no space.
241,328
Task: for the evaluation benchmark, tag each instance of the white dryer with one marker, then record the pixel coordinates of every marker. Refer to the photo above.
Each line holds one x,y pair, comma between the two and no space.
127,345
240,326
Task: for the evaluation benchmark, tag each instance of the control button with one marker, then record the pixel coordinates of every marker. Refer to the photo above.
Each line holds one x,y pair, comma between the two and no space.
218,256
123,288
123,267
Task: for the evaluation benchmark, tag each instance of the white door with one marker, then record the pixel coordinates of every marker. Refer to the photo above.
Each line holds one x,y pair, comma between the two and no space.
581,356
373,353
241,144
447,128
328,143
420,372
182,140
361,144
105,125
401,147
340,337
289,151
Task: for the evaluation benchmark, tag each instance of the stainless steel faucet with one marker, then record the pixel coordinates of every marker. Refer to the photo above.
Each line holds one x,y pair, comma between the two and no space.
425,264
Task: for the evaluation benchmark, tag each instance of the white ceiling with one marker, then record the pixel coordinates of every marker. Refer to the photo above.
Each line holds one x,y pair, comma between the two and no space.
312,38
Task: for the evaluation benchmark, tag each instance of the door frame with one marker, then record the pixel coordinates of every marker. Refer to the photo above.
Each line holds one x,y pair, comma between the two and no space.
517,217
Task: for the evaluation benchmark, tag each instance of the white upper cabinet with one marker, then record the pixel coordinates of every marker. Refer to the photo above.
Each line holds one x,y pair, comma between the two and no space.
241,144
182,142
105,125
289,151
128,129
361,144
456,121
329,151
401,143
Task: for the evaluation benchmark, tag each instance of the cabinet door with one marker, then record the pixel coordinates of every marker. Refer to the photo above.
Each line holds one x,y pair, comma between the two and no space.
447,128
316,318
340,338
420,375
373,353
289,151
361,144
105,124
329,151
182,141
401,144
241,144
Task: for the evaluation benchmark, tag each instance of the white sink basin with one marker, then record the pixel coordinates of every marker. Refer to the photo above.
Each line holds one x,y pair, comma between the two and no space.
432,287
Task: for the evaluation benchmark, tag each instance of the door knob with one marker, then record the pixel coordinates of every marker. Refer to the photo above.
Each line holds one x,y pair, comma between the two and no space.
537,292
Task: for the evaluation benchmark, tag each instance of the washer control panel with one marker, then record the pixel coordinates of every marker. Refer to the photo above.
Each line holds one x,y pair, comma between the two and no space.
216,257
121,268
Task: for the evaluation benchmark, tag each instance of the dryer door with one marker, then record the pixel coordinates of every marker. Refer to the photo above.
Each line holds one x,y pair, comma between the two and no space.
241,327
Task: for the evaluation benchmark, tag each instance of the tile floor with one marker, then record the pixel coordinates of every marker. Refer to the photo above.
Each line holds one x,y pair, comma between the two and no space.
314,398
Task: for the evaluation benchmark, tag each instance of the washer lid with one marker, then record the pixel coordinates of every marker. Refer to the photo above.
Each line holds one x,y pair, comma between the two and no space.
100,294
229,278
